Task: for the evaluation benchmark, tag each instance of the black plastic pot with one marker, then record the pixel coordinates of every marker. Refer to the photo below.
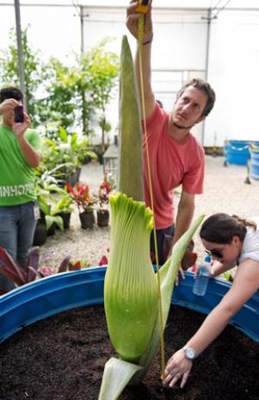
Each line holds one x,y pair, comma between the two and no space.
103,218
40,233
87,219
87,159
72,178
78,173
66,216
52,229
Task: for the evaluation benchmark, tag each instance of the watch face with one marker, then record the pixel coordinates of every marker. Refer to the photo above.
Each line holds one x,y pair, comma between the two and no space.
190,353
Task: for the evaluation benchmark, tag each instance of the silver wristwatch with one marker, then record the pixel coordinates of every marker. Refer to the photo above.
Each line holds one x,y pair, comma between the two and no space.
190,353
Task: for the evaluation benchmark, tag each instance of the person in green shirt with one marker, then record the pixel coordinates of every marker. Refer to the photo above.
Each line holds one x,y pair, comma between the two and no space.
19,155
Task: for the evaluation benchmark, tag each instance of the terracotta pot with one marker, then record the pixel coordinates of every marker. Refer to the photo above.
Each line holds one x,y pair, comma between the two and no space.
87,219
40,233
103,218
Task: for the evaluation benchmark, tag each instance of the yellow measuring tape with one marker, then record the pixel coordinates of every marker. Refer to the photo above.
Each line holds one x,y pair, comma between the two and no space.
142,8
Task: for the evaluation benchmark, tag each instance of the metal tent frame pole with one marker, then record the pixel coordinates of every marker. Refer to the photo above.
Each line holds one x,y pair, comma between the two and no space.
20,51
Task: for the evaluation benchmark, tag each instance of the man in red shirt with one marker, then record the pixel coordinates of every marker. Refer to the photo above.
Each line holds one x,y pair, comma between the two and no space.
176,158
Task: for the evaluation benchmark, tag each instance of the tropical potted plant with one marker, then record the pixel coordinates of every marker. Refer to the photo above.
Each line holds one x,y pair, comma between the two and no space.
63,208
103,213
50,213
45,184
66,265
85,203
21,276
12,270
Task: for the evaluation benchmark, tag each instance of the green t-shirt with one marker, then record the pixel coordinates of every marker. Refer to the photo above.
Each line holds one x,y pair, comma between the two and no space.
17,179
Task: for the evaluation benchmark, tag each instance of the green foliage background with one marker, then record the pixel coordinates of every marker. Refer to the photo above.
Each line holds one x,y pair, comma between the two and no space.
57,93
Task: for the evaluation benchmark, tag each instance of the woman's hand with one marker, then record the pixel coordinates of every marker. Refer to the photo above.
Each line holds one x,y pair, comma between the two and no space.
178,367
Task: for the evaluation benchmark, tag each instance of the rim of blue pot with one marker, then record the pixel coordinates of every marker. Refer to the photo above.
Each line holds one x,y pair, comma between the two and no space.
54,294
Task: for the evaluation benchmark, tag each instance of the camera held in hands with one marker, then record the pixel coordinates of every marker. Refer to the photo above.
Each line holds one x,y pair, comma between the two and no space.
18,114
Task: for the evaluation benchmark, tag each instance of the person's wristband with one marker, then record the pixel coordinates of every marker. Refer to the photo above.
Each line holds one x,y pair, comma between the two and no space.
148,41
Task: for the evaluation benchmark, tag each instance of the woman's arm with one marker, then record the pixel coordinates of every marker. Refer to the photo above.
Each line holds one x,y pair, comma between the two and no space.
218,268
245,284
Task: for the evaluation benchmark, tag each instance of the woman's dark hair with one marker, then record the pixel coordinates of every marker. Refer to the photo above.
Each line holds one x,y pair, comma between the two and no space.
221,228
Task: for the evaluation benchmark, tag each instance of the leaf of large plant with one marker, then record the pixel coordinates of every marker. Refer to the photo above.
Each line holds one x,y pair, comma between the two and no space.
117,374
167,278
168,274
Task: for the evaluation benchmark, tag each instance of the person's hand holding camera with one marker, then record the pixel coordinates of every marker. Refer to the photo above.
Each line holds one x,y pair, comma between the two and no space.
19,128
7,107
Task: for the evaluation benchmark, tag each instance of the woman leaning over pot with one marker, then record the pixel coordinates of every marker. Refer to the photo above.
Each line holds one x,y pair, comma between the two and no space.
231,241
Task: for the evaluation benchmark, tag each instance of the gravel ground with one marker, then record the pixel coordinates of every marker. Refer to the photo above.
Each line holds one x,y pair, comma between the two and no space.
224,191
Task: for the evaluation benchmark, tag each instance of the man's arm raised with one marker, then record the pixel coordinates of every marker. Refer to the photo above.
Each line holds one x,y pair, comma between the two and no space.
132,24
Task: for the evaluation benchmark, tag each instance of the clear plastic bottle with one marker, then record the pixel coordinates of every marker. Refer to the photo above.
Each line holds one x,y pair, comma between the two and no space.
202,279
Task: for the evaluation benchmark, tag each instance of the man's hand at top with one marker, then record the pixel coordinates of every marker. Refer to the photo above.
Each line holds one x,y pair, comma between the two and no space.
132,21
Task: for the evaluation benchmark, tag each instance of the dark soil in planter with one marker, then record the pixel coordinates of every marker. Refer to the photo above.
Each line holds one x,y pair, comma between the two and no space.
62,358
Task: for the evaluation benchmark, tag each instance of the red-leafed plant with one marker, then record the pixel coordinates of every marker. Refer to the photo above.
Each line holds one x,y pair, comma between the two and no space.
12,270
75,265
104,259
104,191
103,202
66,265
81,196
20,276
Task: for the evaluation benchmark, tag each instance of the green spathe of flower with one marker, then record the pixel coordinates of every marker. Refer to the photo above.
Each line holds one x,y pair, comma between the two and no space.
130,175
118,374
131,291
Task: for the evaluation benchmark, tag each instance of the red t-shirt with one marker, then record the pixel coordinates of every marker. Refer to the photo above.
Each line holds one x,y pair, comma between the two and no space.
172,164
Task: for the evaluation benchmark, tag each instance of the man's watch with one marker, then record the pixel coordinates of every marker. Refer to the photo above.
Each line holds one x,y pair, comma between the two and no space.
190,353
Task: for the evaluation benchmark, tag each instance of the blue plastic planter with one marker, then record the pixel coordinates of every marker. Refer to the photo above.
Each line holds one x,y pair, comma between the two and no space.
237,151
254,163
50,296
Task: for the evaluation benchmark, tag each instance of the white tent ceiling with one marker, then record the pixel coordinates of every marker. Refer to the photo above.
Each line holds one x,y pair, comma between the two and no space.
227,4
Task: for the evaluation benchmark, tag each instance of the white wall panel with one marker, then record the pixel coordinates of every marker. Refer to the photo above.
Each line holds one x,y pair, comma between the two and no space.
233,71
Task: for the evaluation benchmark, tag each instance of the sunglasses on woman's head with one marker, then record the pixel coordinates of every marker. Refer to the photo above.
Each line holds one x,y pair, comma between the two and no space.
214,253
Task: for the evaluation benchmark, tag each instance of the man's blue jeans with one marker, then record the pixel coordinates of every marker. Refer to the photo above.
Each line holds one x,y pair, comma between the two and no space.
161,235
17,224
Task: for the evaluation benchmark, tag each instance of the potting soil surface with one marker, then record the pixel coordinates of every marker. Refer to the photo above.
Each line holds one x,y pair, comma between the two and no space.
63,357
